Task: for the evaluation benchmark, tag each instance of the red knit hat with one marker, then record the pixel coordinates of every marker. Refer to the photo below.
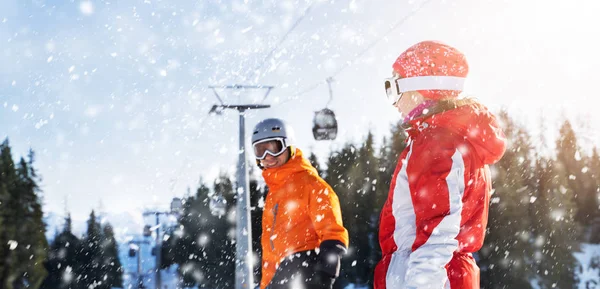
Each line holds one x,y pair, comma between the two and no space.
432,68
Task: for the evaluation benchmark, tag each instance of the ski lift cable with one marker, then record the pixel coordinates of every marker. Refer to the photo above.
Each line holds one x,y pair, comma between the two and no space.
358,55
285,36
329,81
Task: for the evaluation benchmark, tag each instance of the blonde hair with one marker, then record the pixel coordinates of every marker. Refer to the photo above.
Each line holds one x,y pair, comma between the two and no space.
452,103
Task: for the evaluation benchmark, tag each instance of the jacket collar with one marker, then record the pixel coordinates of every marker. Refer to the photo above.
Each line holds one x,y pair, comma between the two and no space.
277,177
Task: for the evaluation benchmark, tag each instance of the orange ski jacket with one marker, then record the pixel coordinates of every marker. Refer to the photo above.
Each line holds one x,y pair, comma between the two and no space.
301,211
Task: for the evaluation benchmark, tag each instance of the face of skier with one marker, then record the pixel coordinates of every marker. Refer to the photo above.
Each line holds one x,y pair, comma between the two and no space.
271,162
408,102
272,153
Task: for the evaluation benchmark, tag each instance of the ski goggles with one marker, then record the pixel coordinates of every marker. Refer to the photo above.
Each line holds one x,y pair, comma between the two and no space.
392,90
396,86
272,146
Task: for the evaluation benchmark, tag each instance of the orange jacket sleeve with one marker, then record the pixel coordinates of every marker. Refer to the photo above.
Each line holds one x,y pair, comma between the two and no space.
325,213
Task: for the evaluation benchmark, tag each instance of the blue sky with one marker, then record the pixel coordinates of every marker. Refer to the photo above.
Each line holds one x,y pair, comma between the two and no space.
112,95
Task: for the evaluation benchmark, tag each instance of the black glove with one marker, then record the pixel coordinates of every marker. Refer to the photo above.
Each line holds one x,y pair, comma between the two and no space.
321,280
330,253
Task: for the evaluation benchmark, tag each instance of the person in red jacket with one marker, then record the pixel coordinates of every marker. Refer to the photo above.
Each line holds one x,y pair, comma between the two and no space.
436,212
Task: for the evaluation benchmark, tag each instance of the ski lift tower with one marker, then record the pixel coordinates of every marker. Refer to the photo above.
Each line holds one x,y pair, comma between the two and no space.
176,209
243,272
135,248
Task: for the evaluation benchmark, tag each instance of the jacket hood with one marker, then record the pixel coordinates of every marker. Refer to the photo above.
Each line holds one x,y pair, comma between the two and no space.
471,120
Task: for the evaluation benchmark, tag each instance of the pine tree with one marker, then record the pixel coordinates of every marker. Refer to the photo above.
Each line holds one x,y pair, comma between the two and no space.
3,235
34,233
53,267
570,160
224,232
337,176
24,229
90,273
555,228
504,257
8,211
183,239
191,241
388,160
314,161
590,184
203,246
594,168
111,265
385,173
397,144
363,177
62,260
4,197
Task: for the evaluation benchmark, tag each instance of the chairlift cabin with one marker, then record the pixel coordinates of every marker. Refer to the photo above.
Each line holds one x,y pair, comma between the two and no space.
176,206
133,249
147,231
325,125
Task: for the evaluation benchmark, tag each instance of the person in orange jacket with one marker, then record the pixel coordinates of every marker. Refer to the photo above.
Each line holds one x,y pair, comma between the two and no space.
303,237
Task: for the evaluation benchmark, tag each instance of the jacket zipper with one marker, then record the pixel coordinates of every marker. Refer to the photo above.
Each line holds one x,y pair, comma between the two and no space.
273,227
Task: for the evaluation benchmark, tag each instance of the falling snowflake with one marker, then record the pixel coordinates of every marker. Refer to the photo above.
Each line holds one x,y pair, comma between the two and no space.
86,7
320,217
12,244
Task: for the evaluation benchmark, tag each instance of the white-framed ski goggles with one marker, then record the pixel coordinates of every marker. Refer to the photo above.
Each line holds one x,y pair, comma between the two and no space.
392,90
273,146
396,86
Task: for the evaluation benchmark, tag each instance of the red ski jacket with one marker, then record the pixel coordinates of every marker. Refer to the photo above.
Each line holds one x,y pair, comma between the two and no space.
437,208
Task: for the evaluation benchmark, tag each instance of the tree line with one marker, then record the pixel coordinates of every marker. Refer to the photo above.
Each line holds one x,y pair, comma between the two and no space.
27,259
